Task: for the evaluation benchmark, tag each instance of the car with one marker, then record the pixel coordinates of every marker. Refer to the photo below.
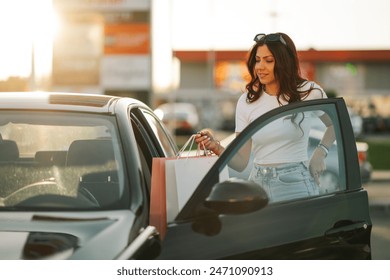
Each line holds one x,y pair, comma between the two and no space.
366,168
75,183
356,121
180,117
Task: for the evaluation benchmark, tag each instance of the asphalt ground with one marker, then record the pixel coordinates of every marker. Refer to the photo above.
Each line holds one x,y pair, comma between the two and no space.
379,189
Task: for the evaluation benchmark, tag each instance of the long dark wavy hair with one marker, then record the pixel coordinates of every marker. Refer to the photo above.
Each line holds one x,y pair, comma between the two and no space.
286,71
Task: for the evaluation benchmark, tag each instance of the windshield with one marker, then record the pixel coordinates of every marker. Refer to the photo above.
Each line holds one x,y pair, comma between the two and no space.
59,160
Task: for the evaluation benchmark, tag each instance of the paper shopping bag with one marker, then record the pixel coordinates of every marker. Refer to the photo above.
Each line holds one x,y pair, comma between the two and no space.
172,206
158,212
182,176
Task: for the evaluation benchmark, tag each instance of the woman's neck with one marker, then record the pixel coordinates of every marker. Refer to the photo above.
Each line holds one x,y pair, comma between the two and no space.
271,90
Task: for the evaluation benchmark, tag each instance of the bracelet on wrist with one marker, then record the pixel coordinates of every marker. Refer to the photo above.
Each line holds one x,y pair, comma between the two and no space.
324,148
218,145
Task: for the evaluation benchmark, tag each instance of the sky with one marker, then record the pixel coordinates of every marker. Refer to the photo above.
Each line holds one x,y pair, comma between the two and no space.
212,25
319,24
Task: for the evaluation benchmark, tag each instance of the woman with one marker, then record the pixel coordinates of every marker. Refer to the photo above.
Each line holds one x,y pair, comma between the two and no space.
276,81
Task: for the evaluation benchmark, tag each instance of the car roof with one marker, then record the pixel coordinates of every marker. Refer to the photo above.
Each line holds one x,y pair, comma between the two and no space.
80,102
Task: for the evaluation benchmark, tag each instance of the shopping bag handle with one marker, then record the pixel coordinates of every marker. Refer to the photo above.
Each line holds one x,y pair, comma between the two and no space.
190,142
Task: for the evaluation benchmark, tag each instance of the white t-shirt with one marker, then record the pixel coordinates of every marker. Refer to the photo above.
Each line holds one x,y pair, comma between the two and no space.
283,140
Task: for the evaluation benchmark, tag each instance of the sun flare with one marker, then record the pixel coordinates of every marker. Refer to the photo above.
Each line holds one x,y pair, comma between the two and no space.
25,24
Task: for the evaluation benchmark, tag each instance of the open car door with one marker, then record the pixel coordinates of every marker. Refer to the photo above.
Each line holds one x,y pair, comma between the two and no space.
234,219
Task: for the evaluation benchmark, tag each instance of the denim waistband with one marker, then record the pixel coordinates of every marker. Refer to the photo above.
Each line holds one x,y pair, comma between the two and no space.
275,169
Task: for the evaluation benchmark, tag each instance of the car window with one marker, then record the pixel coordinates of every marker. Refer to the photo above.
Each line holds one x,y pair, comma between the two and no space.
152,140
292,138
60,160
160,133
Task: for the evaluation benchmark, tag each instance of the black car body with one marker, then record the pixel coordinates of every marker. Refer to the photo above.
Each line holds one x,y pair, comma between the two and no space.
76,181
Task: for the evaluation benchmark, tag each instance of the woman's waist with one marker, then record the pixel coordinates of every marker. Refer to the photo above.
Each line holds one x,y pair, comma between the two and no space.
279,156
279,161
277,168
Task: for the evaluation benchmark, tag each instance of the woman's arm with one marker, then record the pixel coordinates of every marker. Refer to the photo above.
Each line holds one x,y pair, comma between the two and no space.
329,135
239,162
317,161
205,139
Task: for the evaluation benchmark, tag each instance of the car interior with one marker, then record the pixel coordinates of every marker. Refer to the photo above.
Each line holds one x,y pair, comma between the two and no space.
80,164
8,150
103,185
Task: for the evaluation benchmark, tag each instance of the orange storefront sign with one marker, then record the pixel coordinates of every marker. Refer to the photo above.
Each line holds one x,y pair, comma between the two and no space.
230,75
127,38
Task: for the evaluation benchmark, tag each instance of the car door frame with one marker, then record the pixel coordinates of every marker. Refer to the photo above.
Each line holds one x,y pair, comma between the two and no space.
343,231
129,114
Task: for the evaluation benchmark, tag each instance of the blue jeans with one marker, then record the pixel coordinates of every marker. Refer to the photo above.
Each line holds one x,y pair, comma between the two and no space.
286,181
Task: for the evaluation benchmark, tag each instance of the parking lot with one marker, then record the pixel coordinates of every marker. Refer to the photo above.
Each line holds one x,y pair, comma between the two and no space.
379,198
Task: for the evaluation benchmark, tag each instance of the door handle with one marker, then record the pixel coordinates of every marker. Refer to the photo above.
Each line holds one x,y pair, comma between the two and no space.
345,228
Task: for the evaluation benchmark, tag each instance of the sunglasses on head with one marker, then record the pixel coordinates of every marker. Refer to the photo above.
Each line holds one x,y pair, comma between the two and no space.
261,37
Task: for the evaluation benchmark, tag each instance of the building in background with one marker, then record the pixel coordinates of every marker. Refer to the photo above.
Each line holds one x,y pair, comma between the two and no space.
103,47
125,48
215,79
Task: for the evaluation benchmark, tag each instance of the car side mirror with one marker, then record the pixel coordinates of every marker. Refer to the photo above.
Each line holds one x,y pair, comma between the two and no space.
236,196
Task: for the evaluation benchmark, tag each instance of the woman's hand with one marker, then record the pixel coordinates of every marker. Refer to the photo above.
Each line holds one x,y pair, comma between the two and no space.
317,164
205,140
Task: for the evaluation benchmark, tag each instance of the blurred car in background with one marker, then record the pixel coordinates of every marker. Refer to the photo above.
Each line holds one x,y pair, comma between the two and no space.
365,164
376,124
180,117
356,121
